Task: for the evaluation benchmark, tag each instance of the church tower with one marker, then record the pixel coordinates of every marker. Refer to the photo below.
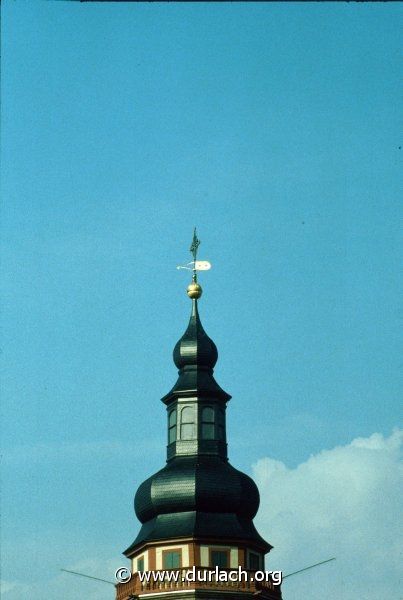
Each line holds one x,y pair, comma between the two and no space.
197,512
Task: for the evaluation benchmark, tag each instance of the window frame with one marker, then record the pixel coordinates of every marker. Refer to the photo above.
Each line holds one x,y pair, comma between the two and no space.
210,422
171,551
172,427
259,561
221,424
138,559
225,551
192,423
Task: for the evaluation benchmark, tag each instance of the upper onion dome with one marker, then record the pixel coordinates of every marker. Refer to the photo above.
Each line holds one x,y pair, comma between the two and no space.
195,348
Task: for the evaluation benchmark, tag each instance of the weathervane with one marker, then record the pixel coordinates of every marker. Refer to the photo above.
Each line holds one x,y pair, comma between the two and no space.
194,289
193,249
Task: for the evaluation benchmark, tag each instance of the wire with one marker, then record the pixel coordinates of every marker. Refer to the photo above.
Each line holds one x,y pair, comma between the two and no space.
310,567
88,576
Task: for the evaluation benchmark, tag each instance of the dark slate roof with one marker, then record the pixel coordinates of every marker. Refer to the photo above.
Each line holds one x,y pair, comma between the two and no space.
205,483
200,525
195,355
195,347
197,496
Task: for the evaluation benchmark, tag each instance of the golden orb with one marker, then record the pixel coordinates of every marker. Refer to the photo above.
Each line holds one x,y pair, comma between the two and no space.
194,291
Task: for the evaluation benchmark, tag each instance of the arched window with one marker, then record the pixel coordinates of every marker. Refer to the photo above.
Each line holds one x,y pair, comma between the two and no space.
208,423
187,423
172,426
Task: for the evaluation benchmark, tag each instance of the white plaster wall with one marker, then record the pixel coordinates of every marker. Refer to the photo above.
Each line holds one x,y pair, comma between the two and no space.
233,559
204,556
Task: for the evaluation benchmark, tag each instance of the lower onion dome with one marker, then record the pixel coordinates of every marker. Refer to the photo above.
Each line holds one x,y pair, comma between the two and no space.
200,497
194,483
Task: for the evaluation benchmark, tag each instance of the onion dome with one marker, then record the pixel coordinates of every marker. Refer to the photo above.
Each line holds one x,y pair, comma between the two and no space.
200,497
195,355
195,348
197,483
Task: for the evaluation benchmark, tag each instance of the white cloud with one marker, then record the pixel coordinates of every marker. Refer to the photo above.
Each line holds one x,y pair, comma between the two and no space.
344,502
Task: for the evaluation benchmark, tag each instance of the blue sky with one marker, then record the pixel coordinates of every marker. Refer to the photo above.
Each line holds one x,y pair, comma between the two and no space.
273,127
